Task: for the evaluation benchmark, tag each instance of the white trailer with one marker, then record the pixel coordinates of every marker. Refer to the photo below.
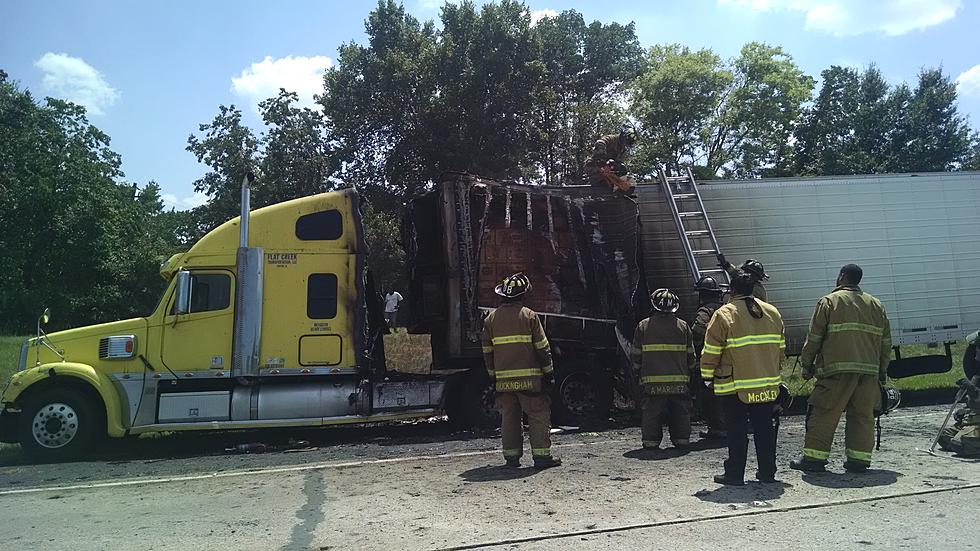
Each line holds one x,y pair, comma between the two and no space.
915,235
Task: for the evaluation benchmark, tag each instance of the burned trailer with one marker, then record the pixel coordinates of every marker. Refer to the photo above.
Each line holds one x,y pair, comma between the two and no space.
579,247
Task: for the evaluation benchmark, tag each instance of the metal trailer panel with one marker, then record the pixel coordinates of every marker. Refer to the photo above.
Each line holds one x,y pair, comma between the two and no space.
915,236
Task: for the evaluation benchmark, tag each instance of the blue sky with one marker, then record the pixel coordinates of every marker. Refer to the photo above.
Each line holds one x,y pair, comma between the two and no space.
151,72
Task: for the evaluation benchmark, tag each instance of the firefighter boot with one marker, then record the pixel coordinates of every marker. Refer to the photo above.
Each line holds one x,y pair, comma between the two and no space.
546,462
855,466
724,479
513,462
808,465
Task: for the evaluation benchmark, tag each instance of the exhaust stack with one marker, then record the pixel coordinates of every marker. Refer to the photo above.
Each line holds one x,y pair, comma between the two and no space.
248,297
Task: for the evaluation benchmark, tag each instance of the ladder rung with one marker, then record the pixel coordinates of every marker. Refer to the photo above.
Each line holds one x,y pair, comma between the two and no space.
697,232
685,195
705,252
677,179
714,271
690,214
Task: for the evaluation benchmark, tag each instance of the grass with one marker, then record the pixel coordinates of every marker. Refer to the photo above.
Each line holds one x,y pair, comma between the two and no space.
9,356
919,382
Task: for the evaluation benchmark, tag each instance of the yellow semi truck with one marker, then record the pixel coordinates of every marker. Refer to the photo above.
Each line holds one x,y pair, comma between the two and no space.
270,320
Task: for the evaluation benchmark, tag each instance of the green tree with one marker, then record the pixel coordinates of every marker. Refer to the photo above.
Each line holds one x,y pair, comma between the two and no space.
230,150
75,237
926,130
673,100
750,135
297,155
826,139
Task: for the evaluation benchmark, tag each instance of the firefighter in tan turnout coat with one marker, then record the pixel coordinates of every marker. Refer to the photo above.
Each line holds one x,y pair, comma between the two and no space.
848,349
663,358
518,359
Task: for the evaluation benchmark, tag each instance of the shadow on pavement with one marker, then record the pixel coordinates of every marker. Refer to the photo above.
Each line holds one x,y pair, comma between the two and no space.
490,473
655,455
869,479
748,494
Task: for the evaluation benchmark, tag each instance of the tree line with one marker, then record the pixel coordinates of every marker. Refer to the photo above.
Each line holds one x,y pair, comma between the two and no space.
483,91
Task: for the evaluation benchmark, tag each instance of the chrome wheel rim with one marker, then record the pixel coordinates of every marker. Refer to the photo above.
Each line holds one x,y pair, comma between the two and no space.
55,425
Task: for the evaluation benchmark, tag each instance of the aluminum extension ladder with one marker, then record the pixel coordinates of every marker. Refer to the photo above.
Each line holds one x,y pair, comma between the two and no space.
693,227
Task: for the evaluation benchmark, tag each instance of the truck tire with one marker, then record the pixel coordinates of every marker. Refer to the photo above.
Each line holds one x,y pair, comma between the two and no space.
471,402
581,398
59,424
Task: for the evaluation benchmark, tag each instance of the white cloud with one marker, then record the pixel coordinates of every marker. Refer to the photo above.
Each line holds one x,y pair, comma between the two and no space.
300,74
70,78
851,17
538,15
430,4
184,203
968,83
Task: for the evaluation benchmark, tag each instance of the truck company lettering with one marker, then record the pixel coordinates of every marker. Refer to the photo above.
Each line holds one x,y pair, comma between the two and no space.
280,259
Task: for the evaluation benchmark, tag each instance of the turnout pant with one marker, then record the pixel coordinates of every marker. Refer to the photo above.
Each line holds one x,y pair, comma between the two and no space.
764,435
711,408
856,393
537,407
675,409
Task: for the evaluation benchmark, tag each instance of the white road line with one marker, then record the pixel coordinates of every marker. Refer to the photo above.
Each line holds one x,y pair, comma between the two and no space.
313,466
709,518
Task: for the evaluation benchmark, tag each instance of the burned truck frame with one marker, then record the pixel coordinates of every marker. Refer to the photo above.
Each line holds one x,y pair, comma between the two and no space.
579,247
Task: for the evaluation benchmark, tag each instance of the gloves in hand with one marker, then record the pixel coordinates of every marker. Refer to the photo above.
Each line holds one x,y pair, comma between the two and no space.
808,372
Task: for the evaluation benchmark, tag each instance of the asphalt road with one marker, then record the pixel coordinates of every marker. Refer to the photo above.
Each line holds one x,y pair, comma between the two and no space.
421,487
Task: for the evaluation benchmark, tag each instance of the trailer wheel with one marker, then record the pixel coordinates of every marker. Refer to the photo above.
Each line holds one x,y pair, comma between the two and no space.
582,398
471,402
59,424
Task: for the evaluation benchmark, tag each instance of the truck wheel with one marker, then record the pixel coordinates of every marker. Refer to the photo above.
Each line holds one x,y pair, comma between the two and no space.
59,424
582,398
471,402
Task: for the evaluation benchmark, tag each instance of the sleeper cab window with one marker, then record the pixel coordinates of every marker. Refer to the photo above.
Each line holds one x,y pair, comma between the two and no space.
320,226
321,296
209,293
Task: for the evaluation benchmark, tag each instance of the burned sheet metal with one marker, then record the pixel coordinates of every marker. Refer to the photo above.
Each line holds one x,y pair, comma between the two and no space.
578,245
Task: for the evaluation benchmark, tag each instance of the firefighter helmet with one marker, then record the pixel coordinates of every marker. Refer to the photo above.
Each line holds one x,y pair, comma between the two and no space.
707,284
755,268
513,286
664,300
890,399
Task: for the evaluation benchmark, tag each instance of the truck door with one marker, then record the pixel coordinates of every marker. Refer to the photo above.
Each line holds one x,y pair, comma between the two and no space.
201,339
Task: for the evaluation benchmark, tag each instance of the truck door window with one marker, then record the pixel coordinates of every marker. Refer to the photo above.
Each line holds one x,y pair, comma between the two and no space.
321,296
210,292
319,226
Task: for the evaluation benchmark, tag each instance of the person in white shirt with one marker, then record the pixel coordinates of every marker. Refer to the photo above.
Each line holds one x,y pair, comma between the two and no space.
391,307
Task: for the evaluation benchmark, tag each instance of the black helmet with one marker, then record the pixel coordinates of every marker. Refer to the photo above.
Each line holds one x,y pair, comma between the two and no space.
755,268
513,286
707,284
664,301
890,399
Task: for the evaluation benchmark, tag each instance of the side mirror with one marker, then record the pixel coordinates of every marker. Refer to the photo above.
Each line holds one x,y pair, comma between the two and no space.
45,317
182,298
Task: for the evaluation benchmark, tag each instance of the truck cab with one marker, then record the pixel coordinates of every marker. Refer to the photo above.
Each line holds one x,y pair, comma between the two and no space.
269,320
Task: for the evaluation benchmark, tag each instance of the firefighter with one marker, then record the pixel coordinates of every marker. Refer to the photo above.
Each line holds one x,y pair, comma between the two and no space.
709,300
743,351
963,438
752,267
663,359
518,359
610,151
971,356
848,349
